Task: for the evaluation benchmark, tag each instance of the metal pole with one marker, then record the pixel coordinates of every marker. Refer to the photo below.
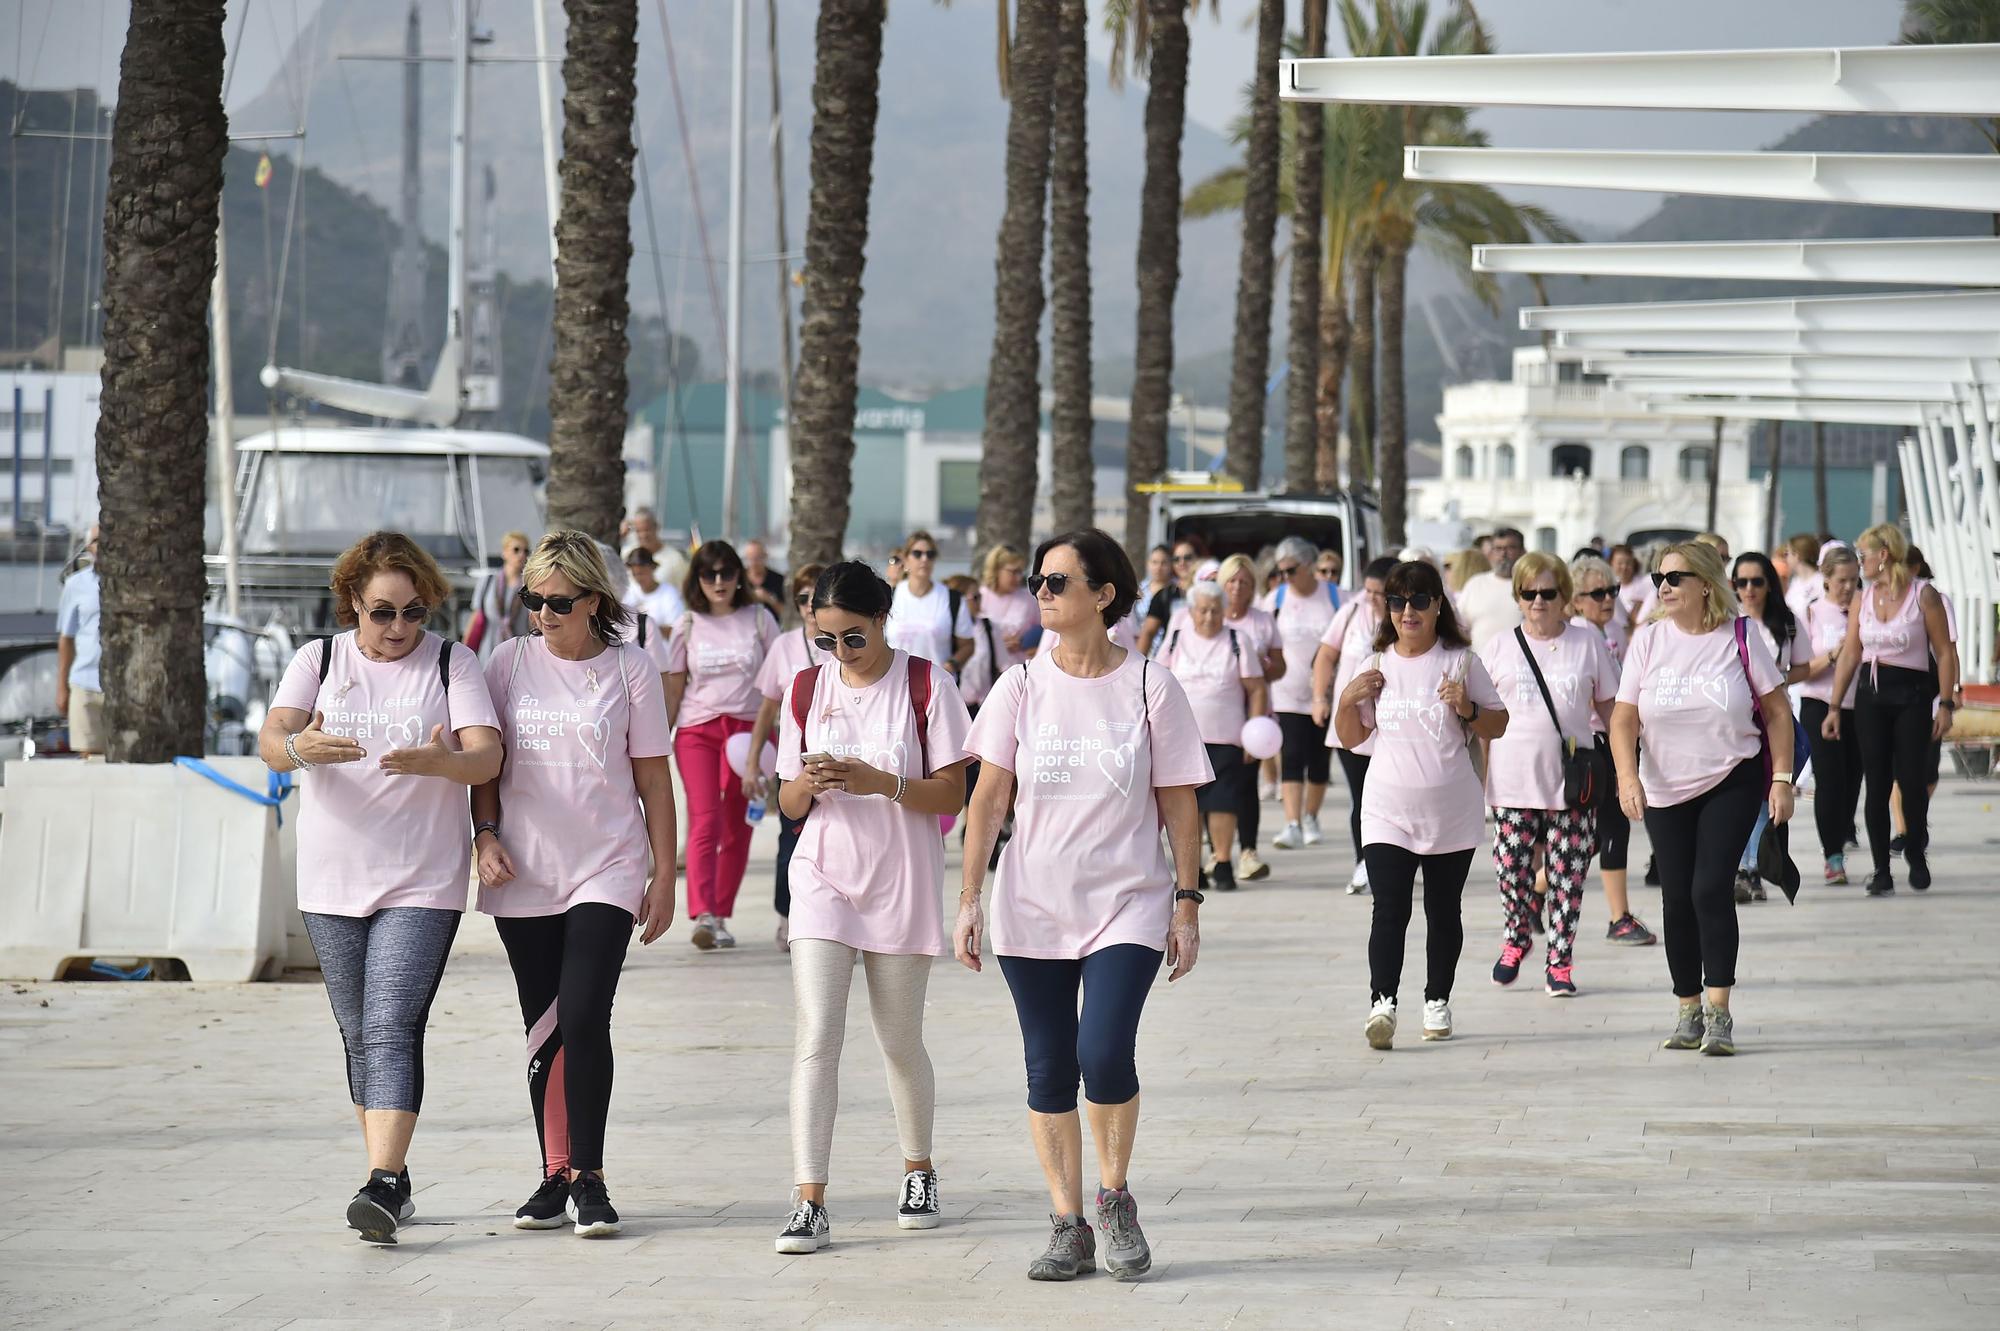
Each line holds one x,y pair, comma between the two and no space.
461,175
733,354
225,425
1772,474
1714,472
545,94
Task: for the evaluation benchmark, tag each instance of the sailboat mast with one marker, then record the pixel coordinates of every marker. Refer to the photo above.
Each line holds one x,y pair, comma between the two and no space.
733,355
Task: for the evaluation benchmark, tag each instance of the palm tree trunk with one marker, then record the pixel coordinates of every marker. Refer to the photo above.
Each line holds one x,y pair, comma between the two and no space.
1361,368
1007,461
1302,383
1251,362
846,80
161,209
587,388
1335,335
1159,266
1072,487
1392,447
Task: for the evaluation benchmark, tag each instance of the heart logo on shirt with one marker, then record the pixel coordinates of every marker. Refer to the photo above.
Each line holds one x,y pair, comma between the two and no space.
1896,640
891,759
1565,687
1716,690
1431,718
1118,765
595,736
404,734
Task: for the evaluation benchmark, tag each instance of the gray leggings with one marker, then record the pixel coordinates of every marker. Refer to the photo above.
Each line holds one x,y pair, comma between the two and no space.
822,974
382,971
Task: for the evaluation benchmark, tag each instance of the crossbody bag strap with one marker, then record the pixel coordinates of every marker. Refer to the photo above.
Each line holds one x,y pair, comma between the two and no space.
920,683
804,685
1540,683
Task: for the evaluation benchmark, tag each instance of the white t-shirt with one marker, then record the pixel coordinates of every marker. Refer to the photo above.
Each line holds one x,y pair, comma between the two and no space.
663,603
924,625
1486,606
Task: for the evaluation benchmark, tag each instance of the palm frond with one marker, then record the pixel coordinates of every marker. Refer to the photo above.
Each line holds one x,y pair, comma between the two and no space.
1219,193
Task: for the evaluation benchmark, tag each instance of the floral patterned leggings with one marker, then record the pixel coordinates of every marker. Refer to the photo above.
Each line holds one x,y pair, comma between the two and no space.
1568,839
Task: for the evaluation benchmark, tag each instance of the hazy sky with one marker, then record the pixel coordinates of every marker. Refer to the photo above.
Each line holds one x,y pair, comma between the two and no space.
65,43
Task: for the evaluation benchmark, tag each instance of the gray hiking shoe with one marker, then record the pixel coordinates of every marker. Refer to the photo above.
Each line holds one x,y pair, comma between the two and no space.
1720,1037
1687,1031
1072,1251
1126,1253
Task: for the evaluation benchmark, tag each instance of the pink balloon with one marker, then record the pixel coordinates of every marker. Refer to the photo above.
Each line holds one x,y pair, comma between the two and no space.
768,759
737,750
1262,738
946,821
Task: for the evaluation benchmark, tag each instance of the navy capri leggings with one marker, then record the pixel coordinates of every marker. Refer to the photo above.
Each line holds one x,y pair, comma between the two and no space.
1098,1047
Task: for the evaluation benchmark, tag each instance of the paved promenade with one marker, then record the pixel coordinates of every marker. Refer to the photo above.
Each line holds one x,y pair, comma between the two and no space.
181,1155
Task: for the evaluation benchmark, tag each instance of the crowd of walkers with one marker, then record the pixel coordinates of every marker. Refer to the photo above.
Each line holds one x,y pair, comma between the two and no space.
1108,741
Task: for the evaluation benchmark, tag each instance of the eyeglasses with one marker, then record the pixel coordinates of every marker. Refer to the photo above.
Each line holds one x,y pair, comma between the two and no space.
1671,579
1326,570
386,614
1288,570
1745,584
1599,593
1057,583
1539,594
562,605
1187,558
921,554
718,575
1419,602
854,640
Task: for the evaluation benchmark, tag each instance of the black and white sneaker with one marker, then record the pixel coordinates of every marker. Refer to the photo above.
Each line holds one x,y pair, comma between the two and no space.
918,1206
408,1208
374,1209
548,1208
807,1230
590,1207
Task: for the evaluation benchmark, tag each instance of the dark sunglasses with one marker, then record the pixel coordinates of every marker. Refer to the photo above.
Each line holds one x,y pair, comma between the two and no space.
1671,579
386,614
920,554
1288,570
1539,594
1057,583
562,605
1184,559
854,640
1744,584
1419,602
1599,594
719,575
803,599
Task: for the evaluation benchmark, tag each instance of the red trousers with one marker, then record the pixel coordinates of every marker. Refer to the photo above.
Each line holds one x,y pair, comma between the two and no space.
718,843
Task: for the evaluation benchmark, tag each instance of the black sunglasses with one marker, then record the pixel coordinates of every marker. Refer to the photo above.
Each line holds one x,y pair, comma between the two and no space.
803,598
386,614
1599,593
1419,602
1671,579
1288,570
1743,584
1539,594
1184,559
1057,583
562,605
854,640
920,554
719,575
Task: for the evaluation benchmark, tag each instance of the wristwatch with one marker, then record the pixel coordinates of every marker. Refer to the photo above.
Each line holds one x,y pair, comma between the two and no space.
1188,894
1784,778
1475,713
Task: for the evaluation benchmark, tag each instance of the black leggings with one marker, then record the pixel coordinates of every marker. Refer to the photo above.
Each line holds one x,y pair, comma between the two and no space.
788,841
1101,1046
1250,813
1698,845
1354,768
1614,836
1304,755
1836,766
1893,718
566,969
1392,877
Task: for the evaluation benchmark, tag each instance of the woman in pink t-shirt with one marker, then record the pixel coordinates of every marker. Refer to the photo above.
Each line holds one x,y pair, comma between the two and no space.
1836,763
1551,714
1701,688
390,725
1423,698
712,665
871,753
790,653
1222,672
1104,749
1006,604
1344,651
1595,607
1253,623
576,849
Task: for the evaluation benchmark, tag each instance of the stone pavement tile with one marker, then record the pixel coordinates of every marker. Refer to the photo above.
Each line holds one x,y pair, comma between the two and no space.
1940,1318
1942,1260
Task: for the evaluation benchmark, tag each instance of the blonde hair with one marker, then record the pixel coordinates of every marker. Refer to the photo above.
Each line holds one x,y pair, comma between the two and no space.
999,557
578,558
1835,557
1713,540
1535,563
1239,564
1889,539
514,536
1463,566
1703,561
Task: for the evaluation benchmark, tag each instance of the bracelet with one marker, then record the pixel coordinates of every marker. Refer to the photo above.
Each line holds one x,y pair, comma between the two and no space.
902,784
1781,778
292,752
477,828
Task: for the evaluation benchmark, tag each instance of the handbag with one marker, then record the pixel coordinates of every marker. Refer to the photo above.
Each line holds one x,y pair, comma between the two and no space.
1801,742
1581,770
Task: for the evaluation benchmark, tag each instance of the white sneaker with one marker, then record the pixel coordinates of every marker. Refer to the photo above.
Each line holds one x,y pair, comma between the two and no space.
703,936
1291,838
1267,791
1359,882
723,938
1381,1027
1437,1019
1312,832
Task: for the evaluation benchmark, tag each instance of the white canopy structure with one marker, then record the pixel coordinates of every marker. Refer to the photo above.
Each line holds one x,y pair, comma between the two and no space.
1925,362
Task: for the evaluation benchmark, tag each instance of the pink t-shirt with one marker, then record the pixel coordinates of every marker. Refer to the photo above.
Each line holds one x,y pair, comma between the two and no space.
1258,629
1524,766
1824,626
1422,792
1615,640
1087,868
1900,640
1697,713
1212,676
721,655
868,872
369,840
1633,598
1301,619
570,816
1015,613
1351,632
791,652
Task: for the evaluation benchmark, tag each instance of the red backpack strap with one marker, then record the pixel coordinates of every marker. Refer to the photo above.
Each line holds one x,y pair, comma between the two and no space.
804,684
920,703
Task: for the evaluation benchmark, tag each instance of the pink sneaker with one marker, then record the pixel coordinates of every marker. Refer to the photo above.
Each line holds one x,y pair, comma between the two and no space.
1560,983
1508,968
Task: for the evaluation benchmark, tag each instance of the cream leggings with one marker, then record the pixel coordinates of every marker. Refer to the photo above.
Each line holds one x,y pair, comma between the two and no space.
822,974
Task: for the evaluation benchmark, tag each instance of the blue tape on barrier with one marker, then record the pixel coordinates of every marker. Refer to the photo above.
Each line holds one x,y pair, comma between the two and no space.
277,785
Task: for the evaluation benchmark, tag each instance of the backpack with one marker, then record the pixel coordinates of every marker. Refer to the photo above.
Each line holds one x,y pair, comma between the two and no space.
444,672
806,682
1278,597
1235,651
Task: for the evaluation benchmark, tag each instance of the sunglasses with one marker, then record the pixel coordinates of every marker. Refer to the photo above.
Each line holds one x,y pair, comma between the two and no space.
386,614
562,605
1184,559
1539,594
1671,579
921,554
1599,594
1744,584
854,640
1419,602
719,575
1288,569
803,599
1057,583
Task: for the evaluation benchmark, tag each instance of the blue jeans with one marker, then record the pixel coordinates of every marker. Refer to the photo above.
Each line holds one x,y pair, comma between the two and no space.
1748,864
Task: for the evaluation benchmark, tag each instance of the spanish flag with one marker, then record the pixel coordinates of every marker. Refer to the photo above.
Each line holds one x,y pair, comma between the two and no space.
263,170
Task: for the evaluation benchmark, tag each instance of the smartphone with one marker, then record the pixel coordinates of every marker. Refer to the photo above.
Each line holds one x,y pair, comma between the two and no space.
811,758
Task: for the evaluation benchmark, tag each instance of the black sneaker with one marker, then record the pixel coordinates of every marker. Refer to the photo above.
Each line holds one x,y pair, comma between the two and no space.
807,1231
408,1207
1652,871
374,1209
1897,844
918,1206
548,1208
1627,931
590,1207
1223,875
1881,885
1919,867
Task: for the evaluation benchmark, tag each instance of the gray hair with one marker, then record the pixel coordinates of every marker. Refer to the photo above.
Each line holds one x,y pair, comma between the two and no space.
1585,567
1207,590
1298,549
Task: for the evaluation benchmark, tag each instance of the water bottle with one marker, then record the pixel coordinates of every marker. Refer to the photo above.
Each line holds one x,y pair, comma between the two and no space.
753,812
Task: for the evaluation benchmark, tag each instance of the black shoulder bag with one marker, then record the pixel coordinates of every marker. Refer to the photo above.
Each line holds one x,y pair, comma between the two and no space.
1581,767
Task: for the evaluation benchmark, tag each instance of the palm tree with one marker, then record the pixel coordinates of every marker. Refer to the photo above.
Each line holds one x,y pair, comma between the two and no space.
1951,23
1361,359
1072,489
846,80
587,387
1309,173
1251,361
161,209
1007,461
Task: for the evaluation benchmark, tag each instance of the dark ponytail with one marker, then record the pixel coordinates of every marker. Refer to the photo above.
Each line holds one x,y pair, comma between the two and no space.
854,587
